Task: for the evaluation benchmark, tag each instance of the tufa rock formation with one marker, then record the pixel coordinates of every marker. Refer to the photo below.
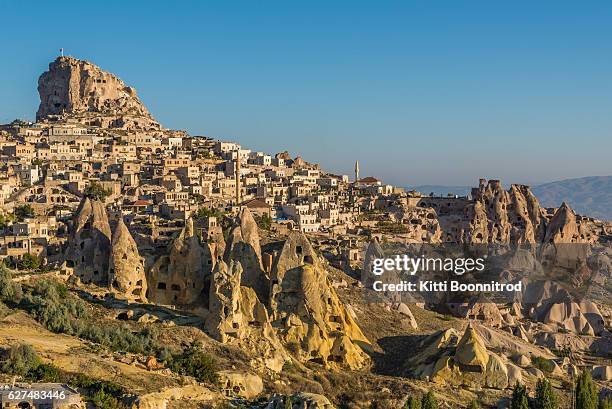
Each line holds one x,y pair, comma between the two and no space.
499,216
442,360
126,274
243,246
80,90
89,246
307,312
181,276
236,316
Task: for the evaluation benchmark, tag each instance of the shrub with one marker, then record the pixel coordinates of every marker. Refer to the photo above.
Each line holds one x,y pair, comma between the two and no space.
10,292
104,400
19,360
28,262
46,373
194,362
545,365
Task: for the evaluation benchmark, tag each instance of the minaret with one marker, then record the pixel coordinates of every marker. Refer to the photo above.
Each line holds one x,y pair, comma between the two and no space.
237,169
356,170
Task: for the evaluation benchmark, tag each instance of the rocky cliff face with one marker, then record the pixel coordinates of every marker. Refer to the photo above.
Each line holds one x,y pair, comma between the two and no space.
180,276
79,89
500,216
243,247
89,246
308,313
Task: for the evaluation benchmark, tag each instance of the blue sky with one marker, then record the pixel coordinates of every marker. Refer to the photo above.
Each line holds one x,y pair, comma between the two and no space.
420,92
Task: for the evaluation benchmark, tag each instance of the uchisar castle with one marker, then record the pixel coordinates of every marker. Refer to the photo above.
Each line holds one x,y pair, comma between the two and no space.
262,262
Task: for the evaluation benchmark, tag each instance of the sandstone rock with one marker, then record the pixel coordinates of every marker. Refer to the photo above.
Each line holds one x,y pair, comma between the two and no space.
410,320
307,311
126,271
237,316
374,251
89,246
79,89
535,372
471,351
159,400
240,384
499,216
243,246
515,375
562,311
182,276
496,374
522,360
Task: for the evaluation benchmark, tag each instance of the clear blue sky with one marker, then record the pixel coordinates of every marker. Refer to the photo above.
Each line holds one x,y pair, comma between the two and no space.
439,92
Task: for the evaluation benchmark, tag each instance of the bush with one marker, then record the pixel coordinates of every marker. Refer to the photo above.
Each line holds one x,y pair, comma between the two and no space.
46,373
28,262
473,405
104,400
10,292
194,362
543,364
19,360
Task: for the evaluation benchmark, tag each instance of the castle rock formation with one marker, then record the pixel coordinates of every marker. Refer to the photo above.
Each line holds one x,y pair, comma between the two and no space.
81,90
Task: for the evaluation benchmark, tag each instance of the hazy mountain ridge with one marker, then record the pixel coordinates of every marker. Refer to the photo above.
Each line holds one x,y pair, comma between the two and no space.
589,196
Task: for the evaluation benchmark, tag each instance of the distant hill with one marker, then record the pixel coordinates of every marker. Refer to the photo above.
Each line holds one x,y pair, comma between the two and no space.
589,196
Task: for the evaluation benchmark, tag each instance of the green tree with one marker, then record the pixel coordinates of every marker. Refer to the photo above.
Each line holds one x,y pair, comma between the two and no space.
96,191
266,221
25,211
545,397
586,392
519,397
413,402
429,401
